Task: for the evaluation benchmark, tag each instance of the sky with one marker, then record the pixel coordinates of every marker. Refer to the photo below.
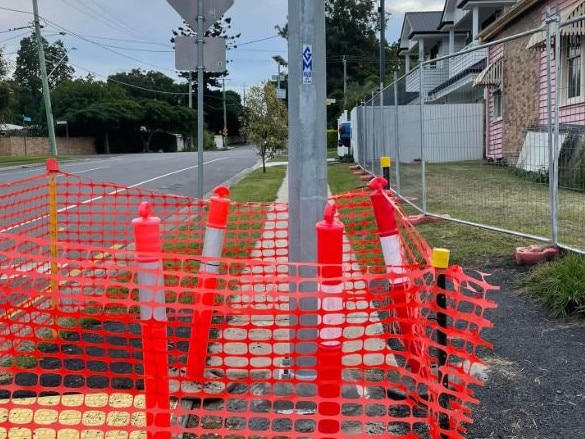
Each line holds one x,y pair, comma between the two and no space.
111,36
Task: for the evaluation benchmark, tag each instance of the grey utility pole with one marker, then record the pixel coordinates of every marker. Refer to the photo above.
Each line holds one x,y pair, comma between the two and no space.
307,125
200,79
224,132
45,81
307,150
382,44
190,147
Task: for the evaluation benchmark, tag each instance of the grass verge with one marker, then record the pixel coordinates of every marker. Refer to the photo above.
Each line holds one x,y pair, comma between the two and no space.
559,285
6,161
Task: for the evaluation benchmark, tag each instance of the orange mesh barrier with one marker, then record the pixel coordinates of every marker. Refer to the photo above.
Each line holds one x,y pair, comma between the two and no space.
79,358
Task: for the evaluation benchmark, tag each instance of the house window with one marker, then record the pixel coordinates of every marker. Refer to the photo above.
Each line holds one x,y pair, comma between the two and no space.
498,103
434,54
573,67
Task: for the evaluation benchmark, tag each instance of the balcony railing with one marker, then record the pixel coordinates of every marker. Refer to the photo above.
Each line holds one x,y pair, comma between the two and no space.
433,77
459,63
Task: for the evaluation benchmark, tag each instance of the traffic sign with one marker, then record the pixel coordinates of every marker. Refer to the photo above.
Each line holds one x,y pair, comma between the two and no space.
214,54
213,10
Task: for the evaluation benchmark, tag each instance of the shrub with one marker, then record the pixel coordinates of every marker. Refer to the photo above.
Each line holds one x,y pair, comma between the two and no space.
332,139
559,285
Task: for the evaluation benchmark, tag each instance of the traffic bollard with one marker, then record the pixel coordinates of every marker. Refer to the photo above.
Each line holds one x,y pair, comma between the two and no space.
209,269
153,322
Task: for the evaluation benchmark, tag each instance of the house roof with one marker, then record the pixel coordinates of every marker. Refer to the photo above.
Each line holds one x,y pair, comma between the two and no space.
516,11
423,22
419,23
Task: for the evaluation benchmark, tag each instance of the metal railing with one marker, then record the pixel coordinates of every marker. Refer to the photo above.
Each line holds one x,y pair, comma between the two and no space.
505,151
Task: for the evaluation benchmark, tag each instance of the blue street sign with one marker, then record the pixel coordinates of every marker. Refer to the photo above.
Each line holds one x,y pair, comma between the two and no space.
26,118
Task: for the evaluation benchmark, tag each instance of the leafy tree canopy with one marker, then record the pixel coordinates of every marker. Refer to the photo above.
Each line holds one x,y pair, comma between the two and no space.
139,84
265,121
28,72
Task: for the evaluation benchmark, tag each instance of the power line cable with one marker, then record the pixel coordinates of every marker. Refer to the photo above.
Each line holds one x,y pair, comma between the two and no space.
133,29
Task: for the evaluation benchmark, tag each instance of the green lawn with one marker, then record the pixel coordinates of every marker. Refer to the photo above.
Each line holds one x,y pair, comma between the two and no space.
19,160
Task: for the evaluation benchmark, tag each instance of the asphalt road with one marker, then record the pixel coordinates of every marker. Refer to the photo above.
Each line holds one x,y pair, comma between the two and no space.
170,173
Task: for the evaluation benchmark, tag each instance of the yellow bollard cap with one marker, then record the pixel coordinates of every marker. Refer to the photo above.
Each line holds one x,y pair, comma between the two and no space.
385,162
440,258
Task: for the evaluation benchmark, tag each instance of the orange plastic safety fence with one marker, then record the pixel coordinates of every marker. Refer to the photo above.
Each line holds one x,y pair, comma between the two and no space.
87,352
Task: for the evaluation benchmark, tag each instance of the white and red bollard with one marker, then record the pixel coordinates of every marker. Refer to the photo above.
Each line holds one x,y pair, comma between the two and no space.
213,242
330,344
400,294
153,322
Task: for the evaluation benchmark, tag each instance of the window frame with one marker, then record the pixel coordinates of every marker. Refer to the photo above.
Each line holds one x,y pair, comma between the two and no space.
497,96
565,71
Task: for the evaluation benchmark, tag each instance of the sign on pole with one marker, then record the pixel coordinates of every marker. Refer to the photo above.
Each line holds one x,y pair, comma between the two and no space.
212,11
307,64
214,54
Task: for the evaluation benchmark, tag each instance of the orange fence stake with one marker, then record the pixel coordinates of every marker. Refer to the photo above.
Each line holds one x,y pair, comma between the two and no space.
400,288
330,347
209,269
153,316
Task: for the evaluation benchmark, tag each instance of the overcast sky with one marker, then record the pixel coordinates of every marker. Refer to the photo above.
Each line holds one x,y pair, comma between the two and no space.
111,36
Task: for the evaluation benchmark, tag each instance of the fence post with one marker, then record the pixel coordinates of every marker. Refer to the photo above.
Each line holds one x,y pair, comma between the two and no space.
551,149
440,262
209,270
373,158
396,135
153,322
330,345
557,145
422,132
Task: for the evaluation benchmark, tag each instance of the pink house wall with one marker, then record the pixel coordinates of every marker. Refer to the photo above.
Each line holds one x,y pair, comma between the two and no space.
569,114
494,130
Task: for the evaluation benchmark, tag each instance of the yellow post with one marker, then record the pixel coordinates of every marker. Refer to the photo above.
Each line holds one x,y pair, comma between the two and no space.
53,169
385,165
440,261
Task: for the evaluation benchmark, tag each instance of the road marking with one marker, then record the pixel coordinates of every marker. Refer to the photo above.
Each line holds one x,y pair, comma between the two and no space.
89,170
117,191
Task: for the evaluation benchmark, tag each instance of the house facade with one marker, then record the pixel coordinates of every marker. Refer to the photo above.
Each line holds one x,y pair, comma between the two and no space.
516,80
432,35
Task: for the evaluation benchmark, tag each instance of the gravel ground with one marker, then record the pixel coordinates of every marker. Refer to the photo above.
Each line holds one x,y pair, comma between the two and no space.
536,384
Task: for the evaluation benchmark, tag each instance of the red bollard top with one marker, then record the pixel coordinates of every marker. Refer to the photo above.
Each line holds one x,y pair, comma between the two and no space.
147,233
52,165
383,209
330,243
218,208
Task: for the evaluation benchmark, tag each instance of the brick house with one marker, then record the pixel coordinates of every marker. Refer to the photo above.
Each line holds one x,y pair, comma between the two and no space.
516,81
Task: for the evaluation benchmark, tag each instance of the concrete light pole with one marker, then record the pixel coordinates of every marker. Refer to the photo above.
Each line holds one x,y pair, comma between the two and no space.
45,81
307,147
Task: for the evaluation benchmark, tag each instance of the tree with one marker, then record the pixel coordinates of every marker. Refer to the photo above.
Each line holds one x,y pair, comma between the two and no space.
6,94
265,121
28,71
351,27
160,117
3,65
6,98
27,84
214,110
102,117
139,84
72,96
